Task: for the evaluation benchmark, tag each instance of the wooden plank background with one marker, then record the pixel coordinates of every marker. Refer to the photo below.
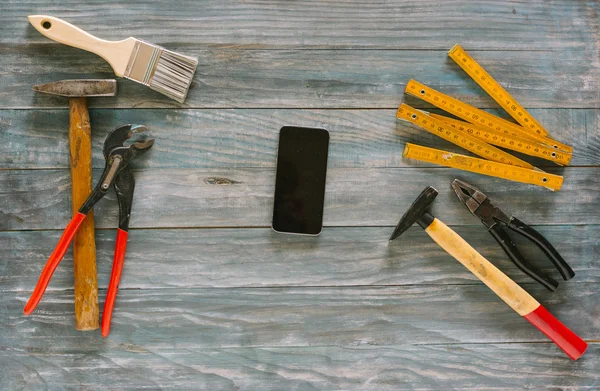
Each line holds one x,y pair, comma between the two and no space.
211,298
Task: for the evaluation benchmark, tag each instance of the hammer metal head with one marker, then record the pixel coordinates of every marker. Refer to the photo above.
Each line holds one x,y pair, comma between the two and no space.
416,210
79,88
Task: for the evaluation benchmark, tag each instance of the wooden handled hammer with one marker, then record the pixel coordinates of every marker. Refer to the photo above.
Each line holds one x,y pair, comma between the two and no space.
508,290
80,145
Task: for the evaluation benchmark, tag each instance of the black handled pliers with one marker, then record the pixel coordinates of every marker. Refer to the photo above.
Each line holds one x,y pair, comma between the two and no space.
493,218
117,173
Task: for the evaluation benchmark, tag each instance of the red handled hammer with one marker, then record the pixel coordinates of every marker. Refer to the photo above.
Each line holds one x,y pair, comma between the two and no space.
508,290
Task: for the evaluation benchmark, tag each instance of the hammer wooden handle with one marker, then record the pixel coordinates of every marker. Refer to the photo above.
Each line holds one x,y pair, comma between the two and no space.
508,290
84,247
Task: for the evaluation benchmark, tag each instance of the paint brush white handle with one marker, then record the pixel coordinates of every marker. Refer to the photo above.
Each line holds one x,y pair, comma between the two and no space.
116,53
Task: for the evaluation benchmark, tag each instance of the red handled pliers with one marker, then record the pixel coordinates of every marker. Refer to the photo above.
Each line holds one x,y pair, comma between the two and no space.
117,173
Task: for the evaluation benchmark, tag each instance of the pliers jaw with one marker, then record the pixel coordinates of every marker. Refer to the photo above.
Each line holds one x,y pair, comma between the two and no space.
118,137
478,204
118,156
495,220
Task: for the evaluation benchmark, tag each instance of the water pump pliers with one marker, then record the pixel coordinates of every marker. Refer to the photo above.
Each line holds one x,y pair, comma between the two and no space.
117,173
479,205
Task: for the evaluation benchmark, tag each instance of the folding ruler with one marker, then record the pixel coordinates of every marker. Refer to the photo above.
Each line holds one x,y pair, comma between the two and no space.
484,132
483,166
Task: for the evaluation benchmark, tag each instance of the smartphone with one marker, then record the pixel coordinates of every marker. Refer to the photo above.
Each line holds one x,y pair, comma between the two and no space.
300,180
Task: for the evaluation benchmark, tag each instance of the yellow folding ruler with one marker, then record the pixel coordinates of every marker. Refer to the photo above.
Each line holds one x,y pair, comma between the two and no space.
518,144
462,139
484,132
495,90
483,166
478,117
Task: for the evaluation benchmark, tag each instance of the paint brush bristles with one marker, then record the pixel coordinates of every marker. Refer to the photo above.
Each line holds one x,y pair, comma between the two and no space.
162,70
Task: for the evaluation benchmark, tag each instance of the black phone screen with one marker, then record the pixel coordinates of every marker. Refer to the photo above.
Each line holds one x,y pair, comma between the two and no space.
300,180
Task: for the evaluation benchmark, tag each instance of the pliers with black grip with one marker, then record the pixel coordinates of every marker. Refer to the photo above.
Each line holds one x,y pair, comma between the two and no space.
479,205
117,173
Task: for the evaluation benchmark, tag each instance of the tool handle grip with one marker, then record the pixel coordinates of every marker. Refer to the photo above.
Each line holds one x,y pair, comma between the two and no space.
55,258
115,278
561,335
84,245
508,290
117,53
517,258
561,265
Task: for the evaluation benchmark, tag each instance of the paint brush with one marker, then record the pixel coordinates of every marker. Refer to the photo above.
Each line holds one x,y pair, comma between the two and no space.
160,69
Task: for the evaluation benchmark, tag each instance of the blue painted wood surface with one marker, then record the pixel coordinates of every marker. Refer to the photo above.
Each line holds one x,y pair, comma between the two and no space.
211,298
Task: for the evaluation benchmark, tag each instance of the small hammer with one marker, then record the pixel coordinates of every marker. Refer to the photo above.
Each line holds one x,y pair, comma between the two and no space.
508,290
80,145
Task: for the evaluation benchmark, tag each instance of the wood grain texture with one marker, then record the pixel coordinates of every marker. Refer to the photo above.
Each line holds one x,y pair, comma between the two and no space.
85,280
503,367
301,316
217,301
38,199
248,138
205,258
404,24
314,78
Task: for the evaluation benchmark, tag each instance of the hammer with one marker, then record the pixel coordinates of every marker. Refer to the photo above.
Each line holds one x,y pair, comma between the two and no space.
508,290
80,145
